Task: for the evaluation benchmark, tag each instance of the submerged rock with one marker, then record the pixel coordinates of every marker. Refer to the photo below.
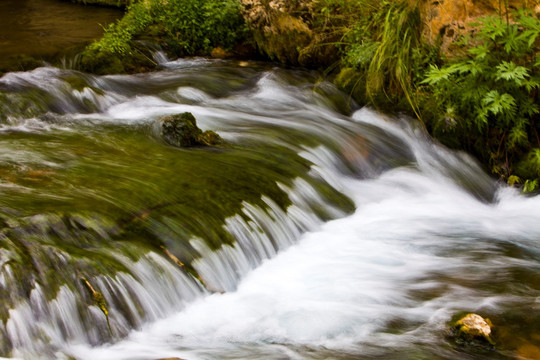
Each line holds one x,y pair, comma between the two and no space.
473,327
182,131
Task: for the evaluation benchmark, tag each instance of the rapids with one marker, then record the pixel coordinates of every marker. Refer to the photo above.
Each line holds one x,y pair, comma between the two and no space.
321,230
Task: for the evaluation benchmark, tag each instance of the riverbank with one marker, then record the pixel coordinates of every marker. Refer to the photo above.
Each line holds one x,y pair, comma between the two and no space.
468,71
474,86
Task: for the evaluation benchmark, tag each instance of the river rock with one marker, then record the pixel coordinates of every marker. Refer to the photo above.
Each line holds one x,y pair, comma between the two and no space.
182,131
473,327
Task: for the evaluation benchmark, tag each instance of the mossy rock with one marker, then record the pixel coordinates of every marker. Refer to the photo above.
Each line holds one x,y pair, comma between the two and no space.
19,63
320,53
209,138
101,63
105,63
473,328
282,38
353,83
182,131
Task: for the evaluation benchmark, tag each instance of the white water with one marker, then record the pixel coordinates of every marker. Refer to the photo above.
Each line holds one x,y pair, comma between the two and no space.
425,242
336,291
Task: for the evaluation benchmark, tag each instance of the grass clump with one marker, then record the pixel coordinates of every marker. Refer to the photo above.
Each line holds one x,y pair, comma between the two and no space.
382,49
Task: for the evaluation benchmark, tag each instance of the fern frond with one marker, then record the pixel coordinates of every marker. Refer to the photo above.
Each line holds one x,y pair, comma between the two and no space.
497,103
435,75
492,27
517,137
480,52
529,107
531,24
471,66
511,72
533,159
531,84
511,40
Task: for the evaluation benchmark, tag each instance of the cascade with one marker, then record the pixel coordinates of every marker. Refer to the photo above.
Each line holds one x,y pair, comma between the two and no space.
320,229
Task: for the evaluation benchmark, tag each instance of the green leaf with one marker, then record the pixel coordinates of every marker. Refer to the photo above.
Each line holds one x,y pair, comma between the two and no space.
513,180
481,118
511,72
530,186
518,136
528,107
529,36
533,158
531,24
435,75
511,40
361,54
492,27
471,66
480,52
497,103
531,83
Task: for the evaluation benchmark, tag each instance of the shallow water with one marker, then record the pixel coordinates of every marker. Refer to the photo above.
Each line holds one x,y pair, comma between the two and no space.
320,231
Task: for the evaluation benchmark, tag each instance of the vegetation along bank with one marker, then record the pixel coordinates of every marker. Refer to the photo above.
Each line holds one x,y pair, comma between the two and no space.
469,70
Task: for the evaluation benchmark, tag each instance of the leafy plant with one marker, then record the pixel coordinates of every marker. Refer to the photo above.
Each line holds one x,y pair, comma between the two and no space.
490,97
185,27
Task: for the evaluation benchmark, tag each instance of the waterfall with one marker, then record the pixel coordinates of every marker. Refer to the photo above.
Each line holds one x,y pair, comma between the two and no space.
321,229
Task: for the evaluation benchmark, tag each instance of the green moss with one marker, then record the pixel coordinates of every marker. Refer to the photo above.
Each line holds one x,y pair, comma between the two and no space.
282,38
209,138
182,131
20,62
353,83
76,82
101,63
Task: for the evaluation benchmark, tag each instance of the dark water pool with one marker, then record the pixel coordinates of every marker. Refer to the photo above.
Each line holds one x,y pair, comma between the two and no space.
43,29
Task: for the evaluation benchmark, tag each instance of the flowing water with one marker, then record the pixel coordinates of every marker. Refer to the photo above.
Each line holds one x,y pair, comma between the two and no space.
320,230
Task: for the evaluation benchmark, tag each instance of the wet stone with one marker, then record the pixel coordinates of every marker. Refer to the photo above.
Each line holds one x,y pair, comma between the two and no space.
473,327
182,131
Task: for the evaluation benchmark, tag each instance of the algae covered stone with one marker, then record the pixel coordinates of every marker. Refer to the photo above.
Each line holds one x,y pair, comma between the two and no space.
182,131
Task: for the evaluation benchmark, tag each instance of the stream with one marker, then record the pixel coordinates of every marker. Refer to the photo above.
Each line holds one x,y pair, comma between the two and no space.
319,230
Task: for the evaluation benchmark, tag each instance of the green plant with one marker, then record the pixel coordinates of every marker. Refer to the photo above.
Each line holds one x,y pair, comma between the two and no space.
386,45
490,97
184,27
